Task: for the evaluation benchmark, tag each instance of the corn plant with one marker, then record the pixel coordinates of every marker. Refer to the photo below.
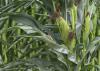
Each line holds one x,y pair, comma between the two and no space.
49,35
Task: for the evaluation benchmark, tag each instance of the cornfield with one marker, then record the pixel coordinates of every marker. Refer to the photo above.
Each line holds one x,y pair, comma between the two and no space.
49,35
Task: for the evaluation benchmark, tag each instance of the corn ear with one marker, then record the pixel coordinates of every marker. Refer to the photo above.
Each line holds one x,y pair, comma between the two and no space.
94,24
73,43
63,29
86,29
94,21
73,17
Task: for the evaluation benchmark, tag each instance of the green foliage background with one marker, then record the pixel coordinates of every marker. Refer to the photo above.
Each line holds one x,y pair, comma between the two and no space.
49,35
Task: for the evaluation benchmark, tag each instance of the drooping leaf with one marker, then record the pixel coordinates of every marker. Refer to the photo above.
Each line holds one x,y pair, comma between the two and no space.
25,20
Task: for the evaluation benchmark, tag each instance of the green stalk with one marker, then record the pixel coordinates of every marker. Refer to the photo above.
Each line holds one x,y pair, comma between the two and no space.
18,32
4,47
99,57
94,21
85,34
31,12
98,34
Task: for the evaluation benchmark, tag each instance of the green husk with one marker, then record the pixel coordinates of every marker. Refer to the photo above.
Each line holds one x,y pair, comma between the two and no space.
86,30
63,28
74,17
